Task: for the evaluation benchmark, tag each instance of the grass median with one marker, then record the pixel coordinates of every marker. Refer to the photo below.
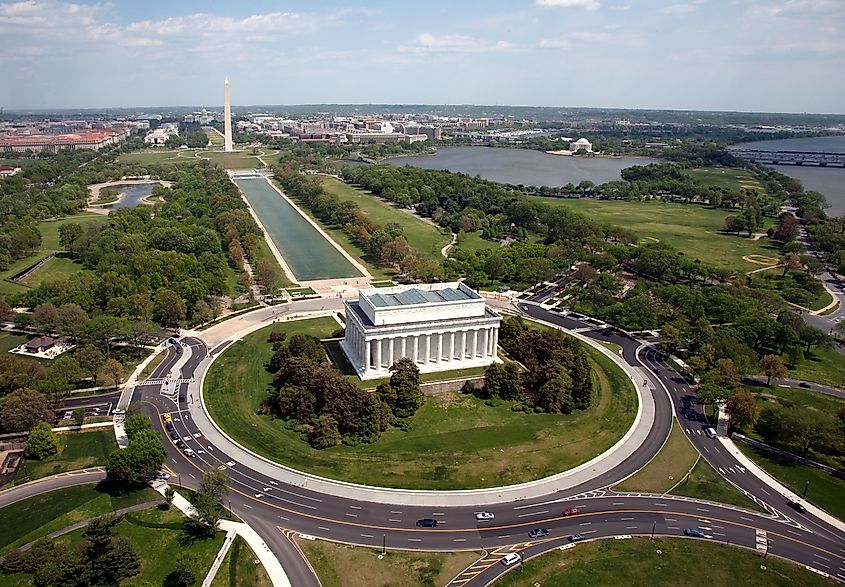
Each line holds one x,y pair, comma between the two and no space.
240,569
455,441
674,562
340,565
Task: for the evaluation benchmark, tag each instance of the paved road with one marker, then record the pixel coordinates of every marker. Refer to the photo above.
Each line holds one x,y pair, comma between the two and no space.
797,383
272,507
60,481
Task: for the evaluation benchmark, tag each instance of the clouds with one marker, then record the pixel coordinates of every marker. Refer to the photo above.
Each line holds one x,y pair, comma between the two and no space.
586,4
660,53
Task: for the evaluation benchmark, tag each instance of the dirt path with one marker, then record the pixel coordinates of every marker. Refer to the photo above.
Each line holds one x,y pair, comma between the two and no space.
445,250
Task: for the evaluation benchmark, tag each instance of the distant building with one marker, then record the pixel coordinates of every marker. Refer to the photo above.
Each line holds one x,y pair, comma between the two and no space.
94,139
581,144
439,326
159,136
7,170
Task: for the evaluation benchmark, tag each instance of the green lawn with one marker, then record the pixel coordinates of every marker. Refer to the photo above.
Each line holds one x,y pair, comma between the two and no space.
726,177
671,464
669,562
214,137
262,251
77,450
821,366
825,491
232,160
8,341
805,398
57,268
423,237
37,516
705,483
455,441
49,243
339,565
691,228
472,241
239,569
159,537
157,157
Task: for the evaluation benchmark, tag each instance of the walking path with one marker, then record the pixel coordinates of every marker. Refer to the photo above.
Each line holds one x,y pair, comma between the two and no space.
817,387
613,457
445,250
274,569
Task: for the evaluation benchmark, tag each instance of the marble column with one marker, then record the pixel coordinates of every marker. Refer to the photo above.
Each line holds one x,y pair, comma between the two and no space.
495,341
427,348
404,346
451,346
366,355
474,346
378,354
439,347
390,359
416,348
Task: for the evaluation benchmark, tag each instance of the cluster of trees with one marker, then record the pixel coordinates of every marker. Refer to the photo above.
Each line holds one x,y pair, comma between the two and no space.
191,135
103,558
169,267
799,430
557,377
519,264
386,243
314,396
141,459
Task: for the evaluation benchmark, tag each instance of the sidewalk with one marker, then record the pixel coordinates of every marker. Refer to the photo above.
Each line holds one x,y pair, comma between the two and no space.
274,568
610,459
774,484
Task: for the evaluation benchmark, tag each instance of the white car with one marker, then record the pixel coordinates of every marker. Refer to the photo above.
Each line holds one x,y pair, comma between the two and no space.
484,515
510,558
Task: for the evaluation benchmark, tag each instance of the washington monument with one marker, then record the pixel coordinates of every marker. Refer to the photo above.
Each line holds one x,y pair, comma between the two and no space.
227,117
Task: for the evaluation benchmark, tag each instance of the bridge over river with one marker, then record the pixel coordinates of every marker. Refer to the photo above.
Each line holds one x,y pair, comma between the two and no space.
806,158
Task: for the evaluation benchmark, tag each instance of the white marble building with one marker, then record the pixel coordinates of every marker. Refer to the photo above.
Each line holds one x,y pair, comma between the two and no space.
440,326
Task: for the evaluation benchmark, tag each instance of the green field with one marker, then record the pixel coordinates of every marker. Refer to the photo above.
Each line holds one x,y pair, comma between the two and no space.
239,569
32,518
825,491
49,243
821,366
339,565
158,157
664,562
690,228
214,137
455,441
232,160
665,470
159,537
726,177
423,237
57,268
77,450
8,341
705,483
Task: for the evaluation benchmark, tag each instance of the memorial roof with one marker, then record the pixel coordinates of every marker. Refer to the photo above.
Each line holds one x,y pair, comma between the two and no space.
416,296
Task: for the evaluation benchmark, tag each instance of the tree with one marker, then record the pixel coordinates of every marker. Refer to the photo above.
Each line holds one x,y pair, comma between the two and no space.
202,312
503,380
140,460
90,360
324,432
23,409
168,308
72,320
728,374
185,573
790,262
5,310
41,443
405,380
69,235
109,558
208,500
169,494
742,410
45,317
79,417
813,336
266,274
556,395
114,370
772,366
710,393
136,423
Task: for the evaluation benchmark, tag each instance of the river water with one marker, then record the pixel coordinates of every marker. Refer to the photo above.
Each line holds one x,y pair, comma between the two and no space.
523,166
829,181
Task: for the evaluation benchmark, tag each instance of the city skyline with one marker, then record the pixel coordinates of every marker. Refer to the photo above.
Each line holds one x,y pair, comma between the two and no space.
760,55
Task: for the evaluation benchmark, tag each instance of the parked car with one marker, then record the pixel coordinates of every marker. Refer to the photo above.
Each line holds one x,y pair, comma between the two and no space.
797,506
571,512
510,559
538,533
710,432
484,516
163,475
694,532
174,435
427,523
576,537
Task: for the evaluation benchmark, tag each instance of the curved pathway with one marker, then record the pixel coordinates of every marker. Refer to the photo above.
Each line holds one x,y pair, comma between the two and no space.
45,484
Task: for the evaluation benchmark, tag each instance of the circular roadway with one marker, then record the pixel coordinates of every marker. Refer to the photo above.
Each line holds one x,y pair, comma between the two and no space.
275,509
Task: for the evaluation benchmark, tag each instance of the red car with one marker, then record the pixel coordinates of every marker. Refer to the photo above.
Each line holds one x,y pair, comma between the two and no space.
571,512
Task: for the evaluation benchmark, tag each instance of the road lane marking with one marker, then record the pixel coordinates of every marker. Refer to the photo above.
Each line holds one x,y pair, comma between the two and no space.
414,539
395,521
355,507
351,515
367,535
533,514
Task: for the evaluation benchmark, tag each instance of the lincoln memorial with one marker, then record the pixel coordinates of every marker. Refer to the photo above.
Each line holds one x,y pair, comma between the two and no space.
439,326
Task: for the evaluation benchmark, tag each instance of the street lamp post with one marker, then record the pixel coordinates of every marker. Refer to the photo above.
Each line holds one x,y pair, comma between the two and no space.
653,526
383,544
806,485
768,545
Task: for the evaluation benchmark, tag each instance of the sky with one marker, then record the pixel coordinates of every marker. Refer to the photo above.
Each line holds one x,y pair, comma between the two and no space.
746,55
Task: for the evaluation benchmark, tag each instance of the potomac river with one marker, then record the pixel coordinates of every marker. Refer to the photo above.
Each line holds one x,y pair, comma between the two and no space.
523,166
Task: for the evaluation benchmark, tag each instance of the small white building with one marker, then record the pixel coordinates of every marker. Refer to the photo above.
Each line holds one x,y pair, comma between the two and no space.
439,326
580,144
